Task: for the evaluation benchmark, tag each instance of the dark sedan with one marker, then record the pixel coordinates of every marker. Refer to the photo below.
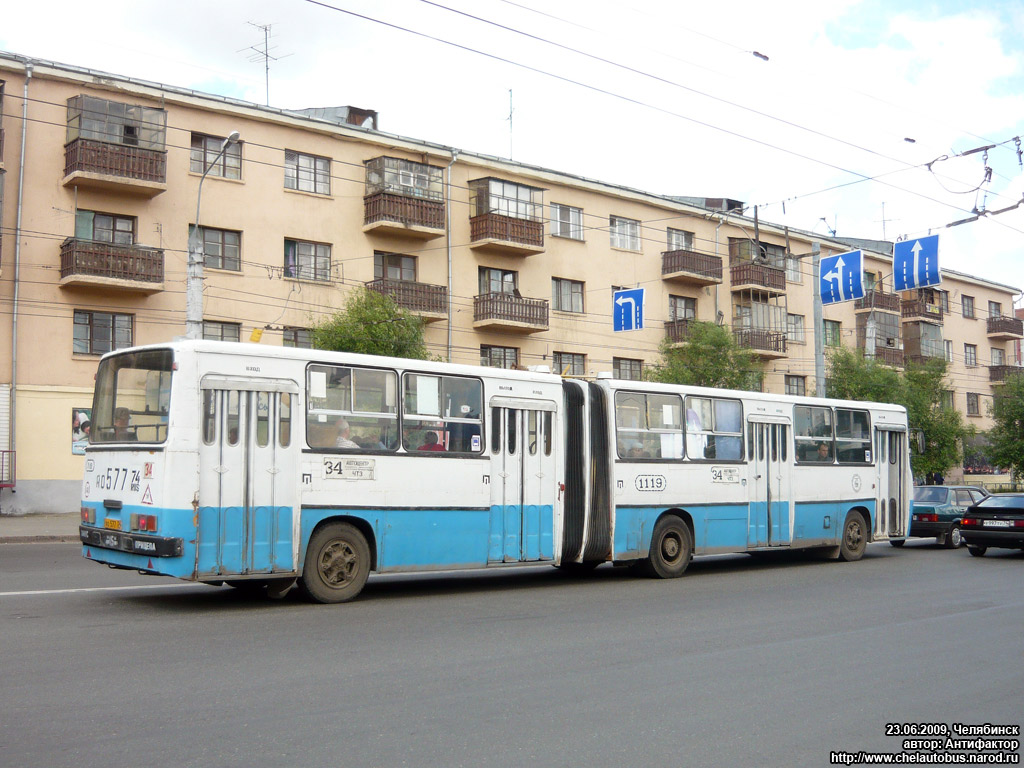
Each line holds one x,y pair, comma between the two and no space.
998,521
937,512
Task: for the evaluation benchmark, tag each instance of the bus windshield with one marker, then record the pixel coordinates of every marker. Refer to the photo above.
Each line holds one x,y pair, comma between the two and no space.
133,397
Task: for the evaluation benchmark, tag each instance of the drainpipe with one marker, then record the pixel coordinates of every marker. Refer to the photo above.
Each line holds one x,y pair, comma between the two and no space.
448,243
17,263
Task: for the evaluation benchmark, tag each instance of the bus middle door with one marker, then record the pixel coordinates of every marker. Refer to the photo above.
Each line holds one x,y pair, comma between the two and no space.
770,496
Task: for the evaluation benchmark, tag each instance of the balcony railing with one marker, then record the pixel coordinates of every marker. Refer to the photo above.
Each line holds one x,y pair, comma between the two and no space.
1003,372
889,356
883,302
497,229
760,275
689,265
120,160
1005,327
918,309
678,331
509,309
138,266
760,340
383,208
420,298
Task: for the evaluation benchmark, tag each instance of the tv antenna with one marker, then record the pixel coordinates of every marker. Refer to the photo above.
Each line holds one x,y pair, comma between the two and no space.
258,53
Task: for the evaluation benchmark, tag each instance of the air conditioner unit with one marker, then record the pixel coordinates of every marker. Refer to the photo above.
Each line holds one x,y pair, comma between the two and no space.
890,342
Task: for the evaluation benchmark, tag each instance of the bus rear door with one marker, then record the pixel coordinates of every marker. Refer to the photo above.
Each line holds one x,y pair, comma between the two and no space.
893,483
771,507
247,484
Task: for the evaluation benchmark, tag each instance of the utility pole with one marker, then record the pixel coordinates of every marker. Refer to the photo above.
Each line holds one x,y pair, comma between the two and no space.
819,323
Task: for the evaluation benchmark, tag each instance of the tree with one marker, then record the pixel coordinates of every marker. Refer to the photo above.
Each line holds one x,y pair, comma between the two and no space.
851,376
1006,437
710,357
371,323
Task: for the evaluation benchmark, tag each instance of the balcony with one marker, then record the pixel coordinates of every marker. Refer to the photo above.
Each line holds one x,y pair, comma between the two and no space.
762,278
428,301
1004,328
505,234
998,374
879,302
764,343
889,356
918,309
691,267
115,167
678,331
91,264
391,214
510,312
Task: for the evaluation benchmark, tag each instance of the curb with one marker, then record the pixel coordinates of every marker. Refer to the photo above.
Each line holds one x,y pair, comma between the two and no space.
40,539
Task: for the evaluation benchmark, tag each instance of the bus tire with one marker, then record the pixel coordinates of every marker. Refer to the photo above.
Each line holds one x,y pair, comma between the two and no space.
671,549
855,539
337,564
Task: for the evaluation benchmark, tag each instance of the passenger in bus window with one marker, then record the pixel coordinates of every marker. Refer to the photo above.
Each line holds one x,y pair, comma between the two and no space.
430,443
121,429
824,453
344,441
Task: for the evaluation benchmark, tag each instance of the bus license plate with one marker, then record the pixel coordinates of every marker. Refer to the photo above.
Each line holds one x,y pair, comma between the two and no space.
112,523
996,523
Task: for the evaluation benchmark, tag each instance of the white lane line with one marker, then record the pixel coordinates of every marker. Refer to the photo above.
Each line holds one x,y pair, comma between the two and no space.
98,589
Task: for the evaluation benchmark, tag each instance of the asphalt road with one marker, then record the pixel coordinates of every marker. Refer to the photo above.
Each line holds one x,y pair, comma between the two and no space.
741,662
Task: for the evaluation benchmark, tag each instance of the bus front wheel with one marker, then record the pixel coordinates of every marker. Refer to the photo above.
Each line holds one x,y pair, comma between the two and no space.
855,539
337,564
671,549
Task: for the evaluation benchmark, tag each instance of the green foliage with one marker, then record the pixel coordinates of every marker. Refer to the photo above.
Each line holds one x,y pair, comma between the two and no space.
709,358
1006,438
851,376
372,324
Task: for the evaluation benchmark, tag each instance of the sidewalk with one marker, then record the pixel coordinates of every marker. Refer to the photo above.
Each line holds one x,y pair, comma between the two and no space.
20,529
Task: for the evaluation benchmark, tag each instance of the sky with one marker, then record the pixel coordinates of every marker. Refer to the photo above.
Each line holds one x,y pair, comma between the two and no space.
852,116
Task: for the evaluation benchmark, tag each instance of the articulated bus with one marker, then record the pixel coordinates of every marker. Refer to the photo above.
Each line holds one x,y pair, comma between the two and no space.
266,467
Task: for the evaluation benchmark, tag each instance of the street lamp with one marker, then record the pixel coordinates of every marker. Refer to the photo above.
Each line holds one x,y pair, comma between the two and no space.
196,257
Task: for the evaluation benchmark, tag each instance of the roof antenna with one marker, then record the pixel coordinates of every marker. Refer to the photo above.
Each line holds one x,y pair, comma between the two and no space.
263,53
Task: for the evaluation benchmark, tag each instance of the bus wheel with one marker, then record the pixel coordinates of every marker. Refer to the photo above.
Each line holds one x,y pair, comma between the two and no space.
337,564
671,549
854,539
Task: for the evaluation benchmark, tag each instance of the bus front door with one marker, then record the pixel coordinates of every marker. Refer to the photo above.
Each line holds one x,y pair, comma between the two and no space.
522,484
247,490
893,484
770,498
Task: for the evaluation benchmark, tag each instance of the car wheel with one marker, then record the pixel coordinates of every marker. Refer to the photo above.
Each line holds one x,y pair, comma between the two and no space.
977,551
953,538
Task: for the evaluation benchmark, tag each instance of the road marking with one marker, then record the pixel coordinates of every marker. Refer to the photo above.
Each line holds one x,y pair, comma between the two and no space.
97,589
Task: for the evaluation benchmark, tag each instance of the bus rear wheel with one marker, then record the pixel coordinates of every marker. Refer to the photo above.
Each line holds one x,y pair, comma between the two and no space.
671,549
855,539
337,564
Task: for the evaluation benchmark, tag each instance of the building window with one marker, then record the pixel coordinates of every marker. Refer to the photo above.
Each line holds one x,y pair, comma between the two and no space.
995,309
998,356
105,227
298,337
499,357
222,248
796,385
795,328
206,148
394,266
307,173
307,261
498,281
793,272
833,332
943,297
682,308
949,350
566,221
968,306
970,355
218,331
625,368
116,123
96,333
506,198
947,399
404,177
625,233
870,281
679,240
566,295
972,404
570,364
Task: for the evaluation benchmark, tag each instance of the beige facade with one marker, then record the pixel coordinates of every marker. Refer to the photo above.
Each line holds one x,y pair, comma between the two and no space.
507,263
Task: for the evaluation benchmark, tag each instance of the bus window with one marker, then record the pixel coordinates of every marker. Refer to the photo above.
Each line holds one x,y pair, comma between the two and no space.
783,438
139,382
547,433
209,416
351,408
853,436
511,432
262,419
714,429
284,419
449,407
648,426
531,432
495,430
232,414
812,431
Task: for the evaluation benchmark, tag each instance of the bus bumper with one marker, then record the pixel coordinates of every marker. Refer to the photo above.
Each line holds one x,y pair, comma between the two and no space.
136,543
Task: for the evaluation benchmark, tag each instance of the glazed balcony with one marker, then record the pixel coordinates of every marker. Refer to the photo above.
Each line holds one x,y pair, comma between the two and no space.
1005,328
428,301
509,312
393,214
115,167
506,234
691,267
878,302
761,278
91,264
918,309
764,343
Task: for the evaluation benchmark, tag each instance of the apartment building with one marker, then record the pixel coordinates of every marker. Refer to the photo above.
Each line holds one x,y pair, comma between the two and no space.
508,264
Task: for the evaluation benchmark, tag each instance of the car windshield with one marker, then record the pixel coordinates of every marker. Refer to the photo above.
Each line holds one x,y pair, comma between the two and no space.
1011,502
930,494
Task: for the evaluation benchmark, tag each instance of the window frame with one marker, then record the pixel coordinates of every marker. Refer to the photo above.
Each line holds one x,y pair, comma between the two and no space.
227,166
617,368
967,307
222,326
308,173
384,262
93,347
577,363
487,361
568,295
204,231
296,270
569,227
625,233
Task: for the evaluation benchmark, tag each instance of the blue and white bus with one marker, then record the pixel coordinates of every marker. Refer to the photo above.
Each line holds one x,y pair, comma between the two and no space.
233,463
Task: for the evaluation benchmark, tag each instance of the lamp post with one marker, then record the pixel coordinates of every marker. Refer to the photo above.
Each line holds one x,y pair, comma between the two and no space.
196,257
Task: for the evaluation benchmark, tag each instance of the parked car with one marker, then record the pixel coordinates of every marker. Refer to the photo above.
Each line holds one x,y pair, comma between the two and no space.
938,510
998,521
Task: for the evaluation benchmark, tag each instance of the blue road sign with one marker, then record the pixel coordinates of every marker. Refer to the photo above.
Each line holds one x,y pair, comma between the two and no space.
628,312
915,263
841,277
